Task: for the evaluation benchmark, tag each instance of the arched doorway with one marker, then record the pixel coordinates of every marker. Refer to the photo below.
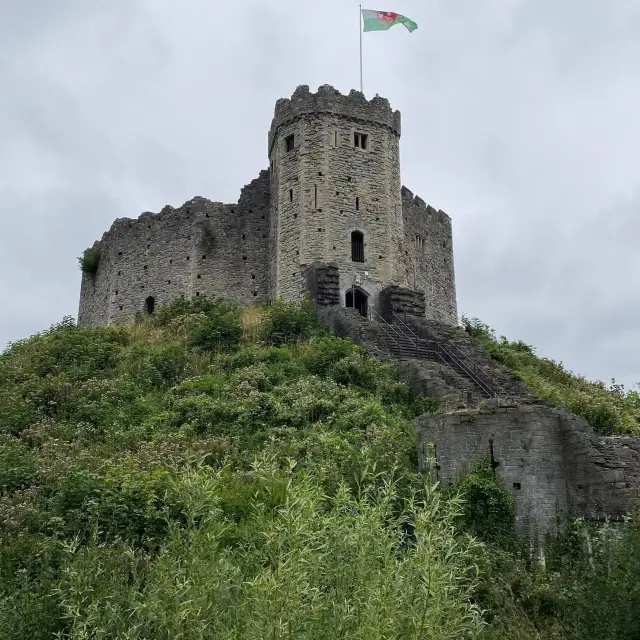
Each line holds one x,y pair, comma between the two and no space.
150,304
357,298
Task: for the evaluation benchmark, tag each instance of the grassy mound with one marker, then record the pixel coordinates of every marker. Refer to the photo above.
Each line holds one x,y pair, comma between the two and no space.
215,472
608,409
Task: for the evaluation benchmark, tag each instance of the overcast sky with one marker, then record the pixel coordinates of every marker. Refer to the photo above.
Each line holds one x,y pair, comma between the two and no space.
520,118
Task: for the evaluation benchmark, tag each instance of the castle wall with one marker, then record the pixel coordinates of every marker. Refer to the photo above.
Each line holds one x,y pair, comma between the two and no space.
203,248
429,255
550,460
326,187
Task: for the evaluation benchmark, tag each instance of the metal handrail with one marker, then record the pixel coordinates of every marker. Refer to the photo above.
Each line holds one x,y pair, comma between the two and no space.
489,385
388,326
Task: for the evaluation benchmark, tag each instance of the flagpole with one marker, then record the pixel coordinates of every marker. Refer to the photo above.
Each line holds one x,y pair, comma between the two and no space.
360,29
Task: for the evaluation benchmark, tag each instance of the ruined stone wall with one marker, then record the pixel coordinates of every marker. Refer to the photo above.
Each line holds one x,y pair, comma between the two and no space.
429,255
326,187
550,460
203,248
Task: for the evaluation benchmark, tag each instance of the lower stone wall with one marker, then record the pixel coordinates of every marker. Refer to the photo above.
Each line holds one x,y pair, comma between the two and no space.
401,301
551,461
323,284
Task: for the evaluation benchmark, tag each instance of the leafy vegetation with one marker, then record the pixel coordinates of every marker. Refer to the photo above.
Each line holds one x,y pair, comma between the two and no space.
217,472
90,260
608,409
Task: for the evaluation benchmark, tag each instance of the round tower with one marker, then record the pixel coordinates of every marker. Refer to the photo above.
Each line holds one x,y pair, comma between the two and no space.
336,193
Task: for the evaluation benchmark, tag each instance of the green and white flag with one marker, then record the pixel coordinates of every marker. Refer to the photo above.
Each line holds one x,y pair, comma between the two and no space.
383,20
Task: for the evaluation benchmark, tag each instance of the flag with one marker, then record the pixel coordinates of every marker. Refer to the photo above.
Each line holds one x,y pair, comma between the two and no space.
383,20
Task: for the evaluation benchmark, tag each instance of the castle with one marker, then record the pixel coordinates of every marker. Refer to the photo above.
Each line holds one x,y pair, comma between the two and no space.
330,219
332,193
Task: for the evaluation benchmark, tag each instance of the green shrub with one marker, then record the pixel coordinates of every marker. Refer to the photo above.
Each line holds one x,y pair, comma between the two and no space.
340,567
488,509
213,325
89,261
288,322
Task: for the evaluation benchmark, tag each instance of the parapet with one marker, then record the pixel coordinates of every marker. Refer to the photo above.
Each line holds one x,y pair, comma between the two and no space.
330,100
418,203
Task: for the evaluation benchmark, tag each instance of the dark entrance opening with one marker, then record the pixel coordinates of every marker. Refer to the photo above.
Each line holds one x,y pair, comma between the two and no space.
150,304
358,299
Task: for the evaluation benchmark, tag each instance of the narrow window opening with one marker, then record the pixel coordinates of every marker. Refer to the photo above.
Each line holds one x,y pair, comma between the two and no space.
315,196
335,138
494,463
517,486
360,140
357,246
197,293
150,305
357,204
199,276
255,293
253,276
121,307
290,195
289,143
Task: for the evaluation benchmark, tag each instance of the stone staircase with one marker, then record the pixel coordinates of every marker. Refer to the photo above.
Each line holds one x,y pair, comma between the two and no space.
459,374
436,360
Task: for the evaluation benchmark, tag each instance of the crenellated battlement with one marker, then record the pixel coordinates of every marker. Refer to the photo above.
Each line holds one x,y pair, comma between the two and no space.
417,202
327,99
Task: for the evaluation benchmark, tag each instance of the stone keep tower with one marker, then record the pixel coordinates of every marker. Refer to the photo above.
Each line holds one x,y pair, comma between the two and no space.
336,192
331,195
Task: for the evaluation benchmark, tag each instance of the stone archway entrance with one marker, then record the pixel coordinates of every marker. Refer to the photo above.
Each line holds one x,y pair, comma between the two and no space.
356,297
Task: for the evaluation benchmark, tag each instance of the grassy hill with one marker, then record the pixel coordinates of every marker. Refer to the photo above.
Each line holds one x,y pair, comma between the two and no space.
214,472
610,409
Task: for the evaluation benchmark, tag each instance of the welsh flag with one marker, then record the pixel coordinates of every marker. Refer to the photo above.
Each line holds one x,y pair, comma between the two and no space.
383,20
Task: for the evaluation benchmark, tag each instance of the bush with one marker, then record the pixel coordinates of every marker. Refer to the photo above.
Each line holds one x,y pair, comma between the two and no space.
320,568
214,324
288,322
488,509
89,261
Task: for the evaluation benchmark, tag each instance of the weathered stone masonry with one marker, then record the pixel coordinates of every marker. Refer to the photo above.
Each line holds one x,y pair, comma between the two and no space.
334,169
552,462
